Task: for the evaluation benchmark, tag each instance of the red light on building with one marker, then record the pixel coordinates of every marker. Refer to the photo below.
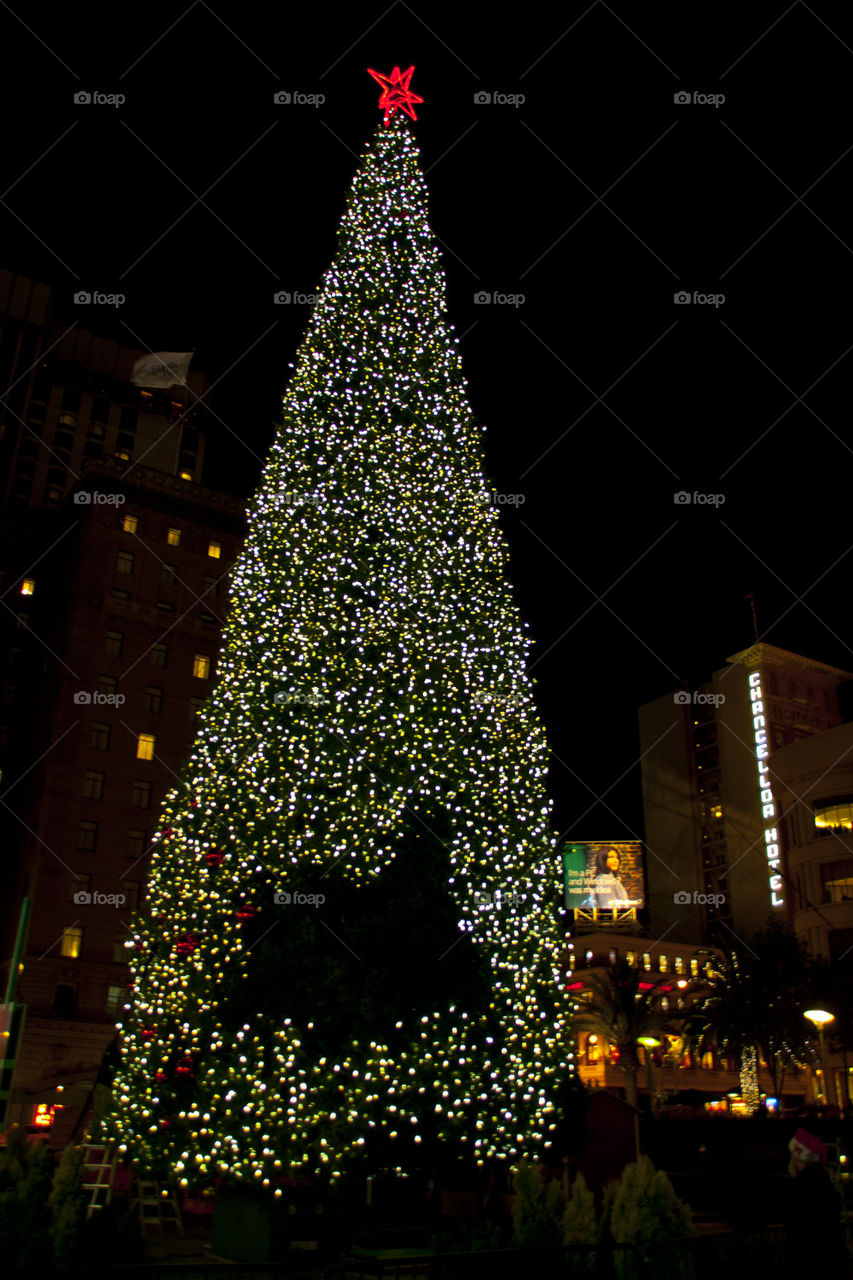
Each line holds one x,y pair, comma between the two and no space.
43,1116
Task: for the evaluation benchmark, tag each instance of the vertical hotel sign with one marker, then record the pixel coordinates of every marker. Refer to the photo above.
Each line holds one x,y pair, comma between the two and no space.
768,804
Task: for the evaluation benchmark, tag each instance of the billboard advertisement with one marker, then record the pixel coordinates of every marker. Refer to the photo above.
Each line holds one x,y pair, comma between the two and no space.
606,874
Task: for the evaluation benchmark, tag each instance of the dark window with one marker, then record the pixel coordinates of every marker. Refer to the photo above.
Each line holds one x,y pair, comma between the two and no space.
169,575
93,785
71,399
141,795
128,418
100,740
87,835
159,655
107,685
65,1001
124,562
113,643
153,699
137,843
100,411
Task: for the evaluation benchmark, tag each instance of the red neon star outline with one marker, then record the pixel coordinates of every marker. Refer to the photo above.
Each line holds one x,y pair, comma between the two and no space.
396,92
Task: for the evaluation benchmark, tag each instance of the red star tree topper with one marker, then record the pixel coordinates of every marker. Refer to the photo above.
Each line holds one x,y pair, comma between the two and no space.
396,92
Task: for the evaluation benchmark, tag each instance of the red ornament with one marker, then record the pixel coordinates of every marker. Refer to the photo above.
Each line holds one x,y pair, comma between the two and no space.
186,1067
167,833
396,92
214,857
147,1033
160,1076
245,913
187,945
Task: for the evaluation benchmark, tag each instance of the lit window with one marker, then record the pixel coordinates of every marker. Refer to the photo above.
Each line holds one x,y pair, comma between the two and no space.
631,957
836,815
173,537
214,549
145,746
72,941
185,475
647,960
716,811
28,586
140,797
93,785
663,964
130,524
123,454
694,968
201,666
679,964
116,997
124,563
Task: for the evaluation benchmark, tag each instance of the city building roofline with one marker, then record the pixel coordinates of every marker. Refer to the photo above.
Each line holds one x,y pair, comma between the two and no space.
758,654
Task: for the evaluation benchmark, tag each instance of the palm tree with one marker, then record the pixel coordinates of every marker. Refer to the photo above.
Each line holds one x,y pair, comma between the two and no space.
613,1006
753,1007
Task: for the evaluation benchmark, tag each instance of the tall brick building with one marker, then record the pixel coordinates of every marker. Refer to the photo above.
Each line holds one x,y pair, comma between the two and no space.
114,576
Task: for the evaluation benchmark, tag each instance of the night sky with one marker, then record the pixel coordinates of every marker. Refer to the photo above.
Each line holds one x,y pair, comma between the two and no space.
597,198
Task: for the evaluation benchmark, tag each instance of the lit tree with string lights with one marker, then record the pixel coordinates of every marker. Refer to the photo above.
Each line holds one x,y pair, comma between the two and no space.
349,944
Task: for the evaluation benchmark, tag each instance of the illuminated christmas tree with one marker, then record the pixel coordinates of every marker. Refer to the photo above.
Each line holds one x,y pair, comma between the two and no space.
350,939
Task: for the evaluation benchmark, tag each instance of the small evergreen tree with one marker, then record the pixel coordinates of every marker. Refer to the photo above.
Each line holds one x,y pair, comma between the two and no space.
537,1210
579,1225
642,1208
67,1204
26,1170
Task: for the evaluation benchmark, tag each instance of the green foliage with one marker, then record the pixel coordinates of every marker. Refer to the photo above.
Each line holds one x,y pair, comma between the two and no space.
579,1225
67,1203
26,1170
537,1210
640,1209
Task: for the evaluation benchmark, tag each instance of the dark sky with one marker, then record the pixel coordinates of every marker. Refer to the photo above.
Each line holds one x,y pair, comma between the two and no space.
598,198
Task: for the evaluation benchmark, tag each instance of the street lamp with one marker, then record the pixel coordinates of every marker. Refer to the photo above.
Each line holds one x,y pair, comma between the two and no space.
649,1043
820,1018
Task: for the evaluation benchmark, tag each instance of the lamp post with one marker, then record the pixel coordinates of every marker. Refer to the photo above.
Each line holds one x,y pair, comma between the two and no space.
649,1043
820,1018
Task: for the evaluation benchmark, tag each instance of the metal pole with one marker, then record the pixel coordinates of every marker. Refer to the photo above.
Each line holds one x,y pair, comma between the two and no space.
12,984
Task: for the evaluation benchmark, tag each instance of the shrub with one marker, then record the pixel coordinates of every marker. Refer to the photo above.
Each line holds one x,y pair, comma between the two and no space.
26,1170
537,1211
642,1208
